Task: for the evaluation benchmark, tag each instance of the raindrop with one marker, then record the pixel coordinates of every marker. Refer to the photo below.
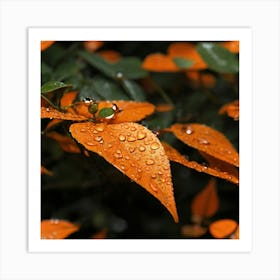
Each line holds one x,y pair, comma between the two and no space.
83,130
126,126
126,157
131,149
189,131
153,188
154,146
118,155
132,164
139,170
99,128
55,221
149,162
141,135
90,143
203,141
160,173
154,176
123,167
166,167
98,139
48,109
133,128
131,139
141,148
122,137
109,145
119,75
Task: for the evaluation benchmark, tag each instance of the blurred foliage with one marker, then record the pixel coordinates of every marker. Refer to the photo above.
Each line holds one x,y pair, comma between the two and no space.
91,192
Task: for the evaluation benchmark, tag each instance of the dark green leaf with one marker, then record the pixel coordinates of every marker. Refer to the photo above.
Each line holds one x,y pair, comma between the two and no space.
218,58
53,85
106,112
183,62
87,89
134,90
108,90
66,70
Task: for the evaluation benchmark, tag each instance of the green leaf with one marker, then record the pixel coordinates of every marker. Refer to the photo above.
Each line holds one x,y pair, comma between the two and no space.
66,70
130,67
107,89
183,62
53,85
218,58
106,112
134,90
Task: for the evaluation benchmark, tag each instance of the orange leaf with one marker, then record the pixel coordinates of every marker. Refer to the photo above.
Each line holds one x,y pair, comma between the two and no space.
66,143
92,46
235,235
135,151
46,44
217,171
160,63
68,98
44,170
193,230
110,55
226,170
231,109
53,123
102,234
57,229
223,228
197,79
232,46
188,51
51,113
206,203
164,108
208,140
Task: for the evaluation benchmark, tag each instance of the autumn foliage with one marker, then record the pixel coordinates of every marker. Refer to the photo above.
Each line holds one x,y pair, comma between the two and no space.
139,144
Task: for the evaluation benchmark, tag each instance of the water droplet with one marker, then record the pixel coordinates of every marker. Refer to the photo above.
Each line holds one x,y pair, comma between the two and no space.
148,169
119,75
116,155
131,139
122,137
131,149
132,164
150,161
141,135
83,130
109,145
133,128
154,176
90,143
55,221
154,146
153,188
166,167
163,180
160,173
189,131
123,167
95,131
125,126
139,170
141,148
126,157
99,128
203,141
48,109
98,139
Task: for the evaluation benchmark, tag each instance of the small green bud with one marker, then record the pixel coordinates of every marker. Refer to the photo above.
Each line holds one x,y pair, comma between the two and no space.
106,112
93,108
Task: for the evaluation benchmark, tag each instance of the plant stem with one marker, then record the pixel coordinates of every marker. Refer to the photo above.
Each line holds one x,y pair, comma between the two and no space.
53,105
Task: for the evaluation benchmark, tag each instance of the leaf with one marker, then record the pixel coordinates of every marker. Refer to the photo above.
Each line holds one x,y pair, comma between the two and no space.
45,171
51,113
92,46
66,143
232,46
162,108
223,228
231,109
193,231
235,234
107,89
183,63
218,58
201,79
159,63
208,140
57,229
102,234
135,151
46,44
187,51
110,55
68,98
134,90
206,203
53,85
214,169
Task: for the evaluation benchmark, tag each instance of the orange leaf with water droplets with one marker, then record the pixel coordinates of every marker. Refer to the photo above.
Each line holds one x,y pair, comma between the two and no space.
46,44
232,46
193,231
187,51
135,151
66,143
159,63
231,109
110,55
57,229
206,139
223,228
206,203
92,46
45,171
222,173
51,113
226,170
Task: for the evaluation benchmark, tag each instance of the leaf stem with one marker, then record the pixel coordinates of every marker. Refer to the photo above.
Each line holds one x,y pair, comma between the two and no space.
50,102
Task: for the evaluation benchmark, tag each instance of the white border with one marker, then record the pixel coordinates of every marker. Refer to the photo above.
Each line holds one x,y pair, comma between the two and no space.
145,34
263,260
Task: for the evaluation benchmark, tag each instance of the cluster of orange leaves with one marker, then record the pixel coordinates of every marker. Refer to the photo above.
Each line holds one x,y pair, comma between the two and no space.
136,151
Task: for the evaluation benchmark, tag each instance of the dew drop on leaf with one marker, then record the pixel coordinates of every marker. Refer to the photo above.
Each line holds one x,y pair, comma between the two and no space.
141,135
150,161
141,148
155,146
122,137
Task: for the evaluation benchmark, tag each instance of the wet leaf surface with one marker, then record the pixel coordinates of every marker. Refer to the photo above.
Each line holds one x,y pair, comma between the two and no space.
216,168
57,229
208,140
135,151
206,203
223,228
53,85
